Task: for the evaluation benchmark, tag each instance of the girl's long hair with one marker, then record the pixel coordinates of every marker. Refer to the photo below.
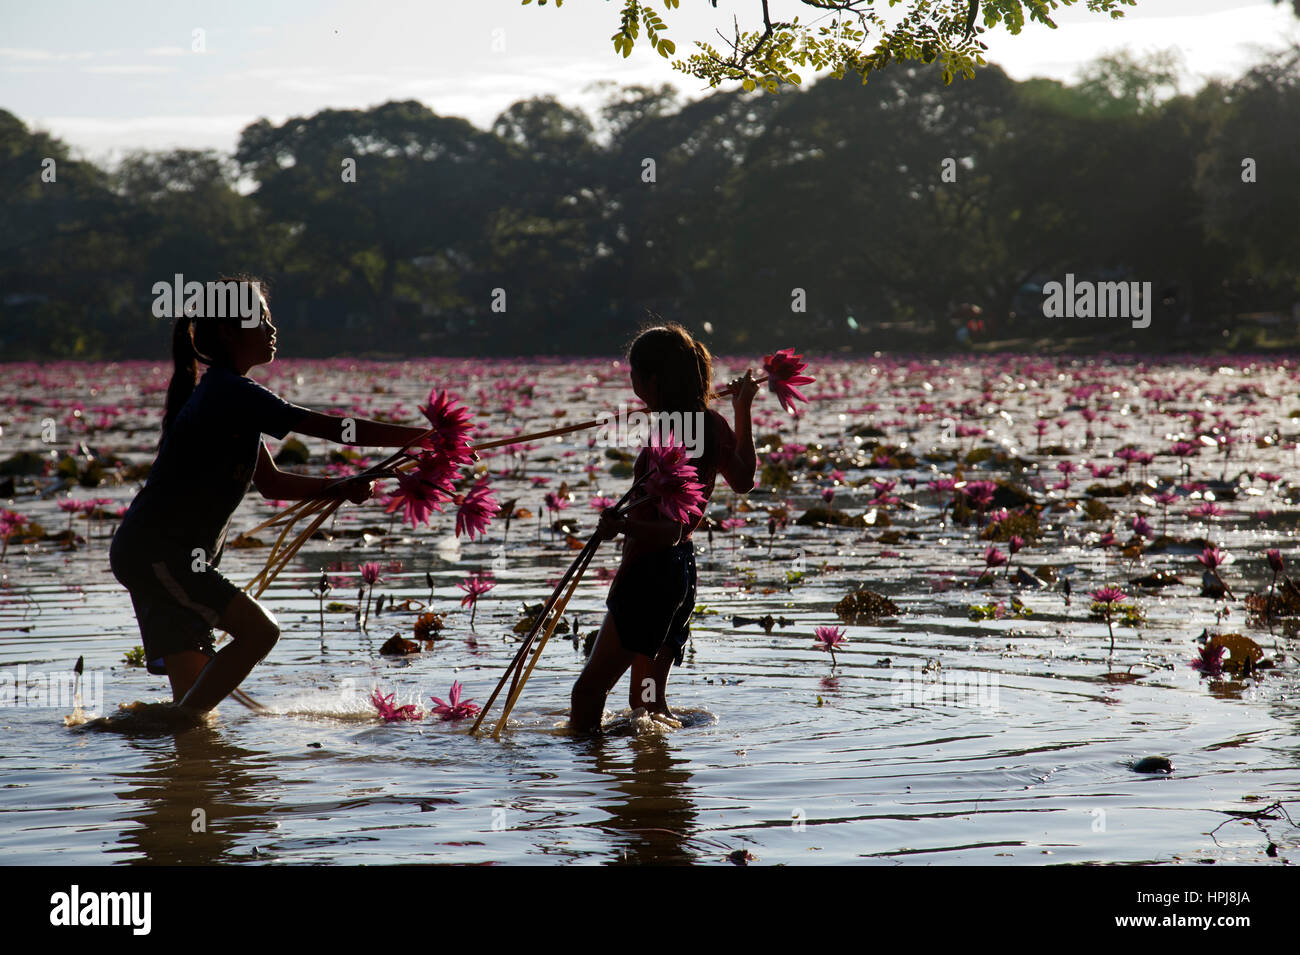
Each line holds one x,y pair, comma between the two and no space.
682,366
194,341
683,372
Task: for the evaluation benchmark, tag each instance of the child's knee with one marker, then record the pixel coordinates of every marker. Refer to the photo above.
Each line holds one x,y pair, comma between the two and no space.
262,637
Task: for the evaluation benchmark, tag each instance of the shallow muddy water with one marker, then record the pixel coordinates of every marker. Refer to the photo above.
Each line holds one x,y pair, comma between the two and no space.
935,739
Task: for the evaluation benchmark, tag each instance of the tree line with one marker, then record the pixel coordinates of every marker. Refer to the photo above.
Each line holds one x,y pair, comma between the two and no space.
841,216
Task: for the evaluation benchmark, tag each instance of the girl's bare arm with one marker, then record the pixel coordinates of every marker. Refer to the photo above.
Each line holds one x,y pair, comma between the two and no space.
277,485
738,468
361,431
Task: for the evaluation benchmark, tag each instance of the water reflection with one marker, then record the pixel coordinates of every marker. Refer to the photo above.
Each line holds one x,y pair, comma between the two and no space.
649,798
194,801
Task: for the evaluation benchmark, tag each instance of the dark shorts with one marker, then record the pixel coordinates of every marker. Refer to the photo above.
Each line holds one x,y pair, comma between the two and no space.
652,601
176,606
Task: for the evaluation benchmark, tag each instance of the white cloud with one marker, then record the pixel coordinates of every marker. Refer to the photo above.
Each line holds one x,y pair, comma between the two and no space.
24,54
167,51
128,69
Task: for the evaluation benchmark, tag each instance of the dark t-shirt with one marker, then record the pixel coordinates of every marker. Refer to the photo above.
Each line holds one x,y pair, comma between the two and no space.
204,468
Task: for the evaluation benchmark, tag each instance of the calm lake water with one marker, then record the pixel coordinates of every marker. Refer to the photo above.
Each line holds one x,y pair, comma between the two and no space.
935,739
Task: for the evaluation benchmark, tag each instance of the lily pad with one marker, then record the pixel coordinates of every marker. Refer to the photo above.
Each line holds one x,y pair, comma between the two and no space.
1241,653
397,645
865,605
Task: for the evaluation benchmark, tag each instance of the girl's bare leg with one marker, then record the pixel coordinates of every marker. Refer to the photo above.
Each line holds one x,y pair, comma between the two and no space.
649,684
607,663
183,669
253,633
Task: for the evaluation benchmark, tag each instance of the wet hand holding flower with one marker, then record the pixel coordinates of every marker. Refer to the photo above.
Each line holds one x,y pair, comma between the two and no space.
743,390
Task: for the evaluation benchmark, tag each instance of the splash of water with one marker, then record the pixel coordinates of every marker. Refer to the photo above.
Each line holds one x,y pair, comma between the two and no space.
139,718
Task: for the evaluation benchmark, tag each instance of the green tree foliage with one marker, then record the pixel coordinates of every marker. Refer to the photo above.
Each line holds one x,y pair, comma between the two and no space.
883,207
843,36
378,201
1256,128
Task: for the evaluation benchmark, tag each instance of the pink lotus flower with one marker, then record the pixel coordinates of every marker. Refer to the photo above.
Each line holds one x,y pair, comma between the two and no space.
392,713
451,427
456,708
1274,557
477,509
1108,595
1211,558
370,573
601,502
980,493
555,502
994,557
424,490
785,371
475,586
828,638
670,481
1210,661
10,521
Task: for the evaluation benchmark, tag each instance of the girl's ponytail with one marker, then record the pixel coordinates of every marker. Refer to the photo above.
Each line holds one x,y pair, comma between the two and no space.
185,374
704,363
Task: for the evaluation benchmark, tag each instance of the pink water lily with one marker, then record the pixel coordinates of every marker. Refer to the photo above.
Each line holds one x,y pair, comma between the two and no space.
1210,659
671,483
451,427
1211,558
828,638
785,371
424,490
1109,596
477,508
455,708
993,558
392,713
475,586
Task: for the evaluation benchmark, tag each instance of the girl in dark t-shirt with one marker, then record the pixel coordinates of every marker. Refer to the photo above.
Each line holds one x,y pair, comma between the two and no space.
169,544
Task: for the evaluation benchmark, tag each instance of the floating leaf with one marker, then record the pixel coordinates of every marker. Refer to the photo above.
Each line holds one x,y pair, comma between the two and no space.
1242,652
396,645
863,605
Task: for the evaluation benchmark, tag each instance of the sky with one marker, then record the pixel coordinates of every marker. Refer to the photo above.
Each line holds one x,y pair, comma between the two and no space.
108,78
